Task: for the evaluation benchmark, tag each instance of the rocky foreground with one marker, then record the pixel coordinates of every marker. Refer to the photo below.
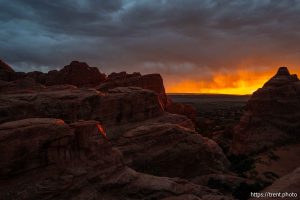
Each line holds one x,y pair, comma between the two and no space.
77,133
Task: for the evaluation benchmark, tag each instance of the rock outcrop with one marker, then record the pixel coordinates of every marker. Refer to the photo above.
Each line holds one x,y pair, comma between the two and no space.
5,67
119,106
152,82
288,186
135,122
7,73
46,159
272,117
76,73
60,139
81,74
22,85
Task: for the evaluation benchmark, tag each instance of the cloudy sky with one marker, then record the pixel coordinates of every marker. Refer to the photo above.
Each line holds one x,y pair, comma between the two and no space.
226,46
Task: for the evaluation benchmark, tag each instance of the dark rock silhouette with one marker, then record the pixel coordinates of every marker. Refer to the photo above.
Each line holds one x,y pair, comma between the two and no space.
62,138
82,75
5,67
47,158
76,73
272,117
7,73
152,82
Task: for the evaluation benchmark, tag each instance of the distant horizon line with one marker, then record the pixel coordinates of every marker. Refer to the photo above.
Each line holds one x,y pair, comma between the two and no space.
193,93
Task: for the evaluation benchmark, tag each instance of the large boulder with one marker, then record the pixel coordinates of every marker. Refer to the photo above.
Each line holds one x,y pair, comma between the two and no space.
272,115
118,106
24,143
48,159
167,149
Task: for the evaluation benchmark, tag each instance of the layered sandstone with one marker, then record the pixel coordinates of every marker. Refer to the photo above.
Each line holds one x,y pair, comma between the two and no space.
46,159
120,105
61,139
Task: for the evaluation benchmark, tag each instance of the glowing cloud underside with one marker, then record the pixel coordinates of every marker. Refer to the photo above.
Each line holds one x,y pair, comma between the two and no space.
240,82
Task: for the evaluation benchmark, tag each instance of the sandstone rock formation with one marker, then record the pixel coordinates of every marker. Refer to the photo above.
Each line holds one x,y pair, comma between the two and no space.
60,139
152,82
48,159
289,183
123,111
22,85
165,149
120,105
272,117
76,73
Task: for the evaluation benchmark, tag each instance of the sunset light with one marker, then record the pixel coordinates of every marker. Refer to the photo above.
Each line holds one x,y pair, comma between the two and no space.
149,99
240,83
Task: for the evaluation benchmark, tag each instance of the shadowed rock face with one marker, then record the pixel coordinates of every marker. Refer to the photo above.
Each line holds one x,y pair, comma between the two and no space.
272,116
152,82
5,67
61,161
283,71
22,85
289,183
119,106
171,135
170,150
7,73
68,142
182,109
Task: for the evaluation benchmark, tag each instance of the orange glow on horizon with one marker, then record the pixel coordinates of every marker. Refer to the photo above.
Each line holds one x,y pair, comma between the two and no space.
240,82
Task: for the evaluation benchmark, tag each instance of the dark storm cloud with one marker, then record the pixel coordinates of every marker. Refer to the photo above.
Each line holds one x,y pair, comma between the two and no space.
186,37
